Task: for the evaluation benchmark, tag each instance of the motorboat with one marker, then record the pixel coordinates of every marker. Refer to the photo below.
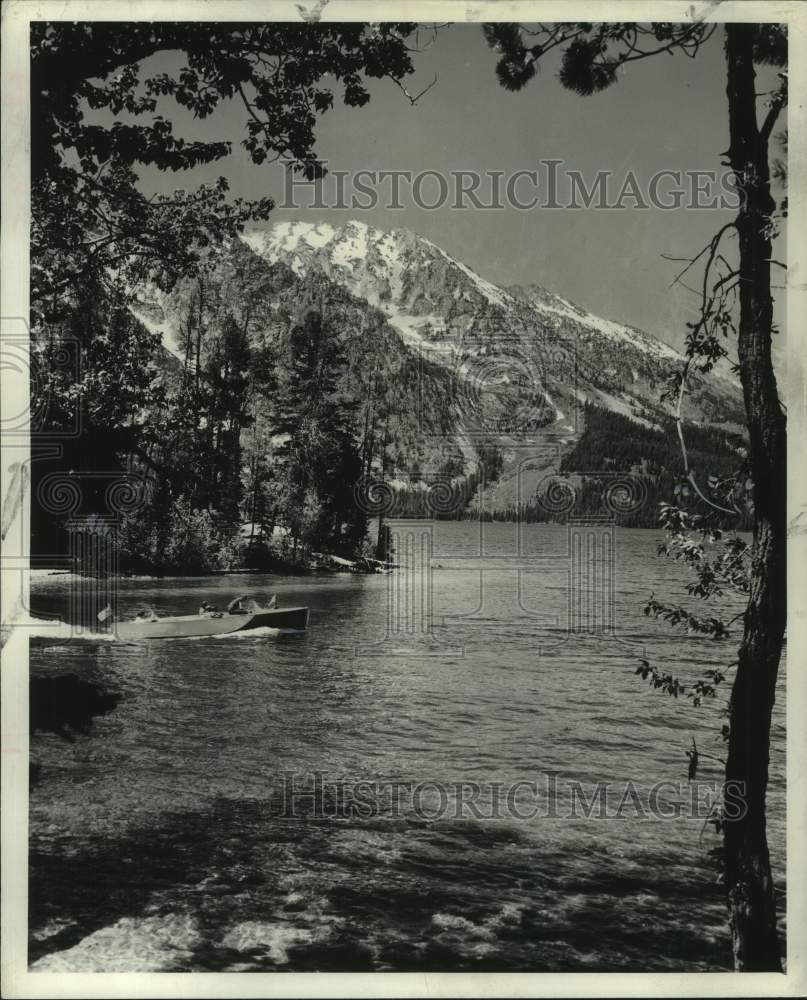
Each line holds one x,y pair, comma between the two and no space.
288,620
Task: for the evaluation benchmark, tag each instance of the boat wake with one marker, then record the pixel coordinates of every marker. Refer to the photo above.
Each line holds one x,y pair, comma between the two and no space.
58,631
62,632
265,632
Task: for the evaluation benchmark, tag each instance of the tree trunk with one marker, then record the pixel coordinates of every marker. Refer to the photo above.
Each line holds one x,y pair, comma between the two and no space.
382,542
200,323
382,545
749,883
253,462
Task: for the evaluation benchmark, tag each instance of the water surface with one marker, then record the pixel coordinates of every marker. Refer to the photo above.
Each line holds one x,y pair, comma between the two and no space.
161,838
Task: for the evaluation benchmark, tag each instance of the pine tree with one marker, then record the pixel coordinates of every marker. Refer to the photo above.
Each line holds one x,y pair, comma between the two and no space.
317,459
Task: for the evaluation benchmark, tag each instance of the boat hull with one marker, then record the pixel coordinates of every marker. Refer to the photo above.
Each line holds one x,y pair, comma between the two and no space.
194,626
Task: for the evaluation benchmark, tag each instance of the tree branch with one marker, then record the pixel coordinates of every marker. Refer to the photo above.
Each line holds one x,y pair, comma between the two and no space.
773,113
412,100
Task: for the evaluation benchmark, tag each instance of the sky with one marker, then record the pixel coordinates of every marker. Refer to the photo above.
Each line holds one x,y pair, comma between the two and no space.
664,113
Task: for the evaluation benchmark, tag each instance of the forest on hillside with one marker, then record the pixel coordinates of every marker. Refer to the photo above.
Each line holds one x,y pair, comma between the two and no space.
287,418
643,464
252,443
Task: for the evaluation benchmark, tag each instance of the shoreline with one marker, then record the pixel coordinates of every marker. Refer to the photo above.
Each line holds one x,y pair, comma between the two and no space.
40,574
48,574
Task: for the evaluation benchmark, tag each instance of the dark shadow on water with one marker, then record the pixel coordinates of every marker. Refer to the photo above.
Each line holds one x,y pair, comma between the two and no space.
66,704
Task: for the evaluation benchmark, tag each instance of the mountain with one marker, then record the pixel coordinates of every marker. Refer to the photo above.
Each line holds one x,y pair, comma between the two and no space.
460,367
526,361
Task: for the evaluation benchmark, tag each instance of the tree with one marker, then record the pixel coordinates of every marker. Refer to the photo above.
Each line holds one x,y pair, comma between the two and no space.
748,874
226,377
96,237
96,385
592,55
317,457
87,209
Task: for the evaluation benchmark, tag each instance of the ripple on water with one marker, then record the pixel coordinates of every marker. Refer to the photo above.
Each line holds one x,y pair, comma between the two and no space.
157,837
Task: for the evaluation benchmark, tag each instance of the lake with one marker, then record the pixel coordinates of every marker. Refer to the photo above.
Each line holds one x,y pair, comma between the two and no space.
368,797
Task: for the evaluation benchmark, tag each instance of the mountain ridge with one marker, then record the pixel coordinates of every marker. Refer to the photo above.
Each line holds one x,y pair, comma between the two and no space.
514,368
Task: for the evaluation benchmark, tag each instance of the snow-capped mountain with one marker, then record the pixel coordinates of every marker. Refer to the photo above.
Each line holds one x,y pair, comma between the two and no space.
453,316
429,296
465,364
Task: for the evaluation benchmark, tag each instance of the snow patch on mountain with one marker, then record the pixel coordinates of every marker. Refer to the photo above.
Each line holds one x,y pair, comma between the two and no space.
413,329
491,292
559,414
443,310
368,262
469,455
610,329
621,404
162,327
355,247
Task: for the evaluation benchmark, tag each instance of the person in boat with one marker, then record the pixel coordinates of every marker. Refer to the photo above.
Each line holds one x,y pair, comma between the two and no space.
237,605
208,610
145,615
243,605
